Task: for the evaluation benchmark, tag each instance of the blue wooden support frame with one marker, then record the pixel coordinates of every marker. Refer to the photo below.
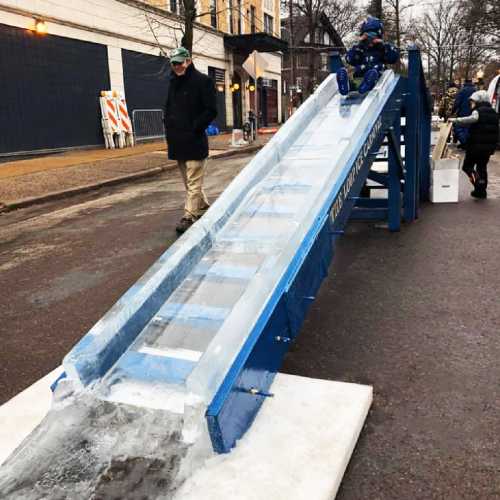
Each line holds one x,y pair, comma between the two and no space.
390,208
411,187
417,137
380,178
411,173
425,141
247,383
396,173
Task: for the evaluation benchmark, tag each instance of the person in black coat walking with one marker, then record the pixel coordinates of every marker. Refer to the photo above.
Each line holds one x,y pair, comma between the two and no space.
481,142
189,109
461,107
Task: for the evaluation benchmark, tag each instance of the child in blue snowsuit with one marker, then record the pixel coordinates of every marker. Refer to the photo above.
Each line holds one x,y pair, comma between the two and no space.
368,57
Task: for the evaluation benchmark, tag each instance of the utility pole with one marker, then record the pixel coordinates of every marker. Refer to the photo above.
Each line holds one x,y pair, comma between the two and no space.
398,32
290,46
398,28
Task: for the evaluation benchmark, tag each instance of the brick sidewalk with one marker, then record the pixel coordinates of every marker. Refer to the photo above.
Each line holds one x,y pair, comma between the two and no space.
36,178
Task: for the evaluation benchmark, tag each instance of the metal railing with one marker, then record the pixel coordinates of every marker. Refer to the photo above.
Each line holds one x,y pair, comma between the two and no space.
148,124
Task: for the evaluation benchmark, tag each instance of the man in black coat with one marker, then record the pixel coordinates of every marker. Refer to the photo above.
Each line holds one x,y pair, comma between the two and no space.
483,134
189,110
461,107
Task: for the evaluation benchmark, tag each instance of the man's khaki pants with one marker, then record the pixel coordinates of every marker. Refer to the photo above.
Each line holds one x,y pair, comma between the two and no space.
192,172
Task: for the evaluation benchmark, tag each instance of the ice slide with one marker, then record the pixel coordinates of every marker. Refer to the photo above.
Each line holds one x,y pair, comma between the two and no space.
214,316
180,365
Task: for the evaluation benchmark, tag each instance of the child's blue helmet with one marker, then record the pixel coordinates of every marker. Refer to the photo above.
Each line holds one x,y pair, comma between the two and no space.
372,25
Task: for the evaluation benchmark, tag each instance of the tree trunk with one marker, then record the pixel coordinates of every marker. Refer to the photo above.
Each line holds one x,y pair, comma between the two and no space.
468,64
438,73
375,8
290,46
312,33
398,28
398,33
189,17
452,63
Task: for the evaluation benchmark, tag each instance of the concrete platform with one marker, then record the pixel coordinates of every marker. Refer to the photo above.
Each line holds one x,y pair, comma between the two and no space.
298,447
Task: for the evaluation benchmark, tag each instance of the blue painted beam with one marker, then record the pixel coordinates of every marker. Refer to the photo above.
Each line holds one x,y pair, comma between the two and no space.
379,177
413,105
425,167
396,173
368,214
235,404
371,203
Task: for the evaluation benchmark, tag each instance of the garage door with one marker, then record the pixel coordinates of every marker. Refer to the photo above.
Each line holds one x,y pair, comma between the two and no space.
49,88
146,84
146,80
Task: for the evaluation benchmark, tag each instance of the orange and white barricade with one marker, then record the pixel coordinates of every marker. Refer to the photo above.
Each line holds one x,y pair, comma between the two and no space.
110,120
116,122
125,122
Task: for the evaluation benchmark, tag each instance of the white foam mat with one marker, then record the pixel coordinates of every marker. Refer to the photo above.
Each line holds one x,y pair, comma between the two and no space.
298,447
21,414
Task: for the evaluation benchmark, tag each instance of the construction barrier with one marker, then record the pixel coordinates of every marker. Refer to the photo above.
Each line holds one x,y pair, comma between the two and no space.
148,124
116,124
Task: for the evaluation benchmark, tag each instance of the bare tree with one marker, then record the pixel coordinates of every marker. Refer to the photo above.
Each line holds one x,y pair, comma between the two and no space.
396,20
458,38
474,21
344,16
375,8
311,10
182,21
434,33
190,16
491,21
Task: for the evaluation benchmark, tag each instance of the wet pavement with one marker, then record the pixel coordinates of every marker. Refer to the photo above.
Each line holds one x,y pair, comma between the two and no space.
416,314
64,264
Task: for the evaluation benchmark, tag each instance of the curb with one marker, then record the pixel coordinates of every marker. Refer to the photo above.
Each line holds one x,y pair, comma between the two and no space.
67,193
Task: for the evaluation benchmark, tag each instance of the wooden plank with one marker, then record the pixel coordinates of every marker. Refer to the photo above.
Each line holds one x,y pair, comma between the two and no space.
440,148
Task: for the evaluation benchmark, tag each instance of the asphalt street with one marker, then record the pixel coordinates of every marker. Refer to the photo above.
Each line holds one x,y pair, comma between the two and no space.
64,264
415,314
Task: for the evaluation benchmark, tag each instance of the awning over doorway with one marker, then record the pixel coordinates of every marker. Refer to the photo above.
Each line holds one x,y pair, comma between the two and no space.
261,42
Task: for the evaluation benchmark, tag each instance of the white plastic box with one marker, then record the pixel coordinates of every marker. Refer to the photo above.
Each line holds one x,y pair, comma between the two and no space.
445,180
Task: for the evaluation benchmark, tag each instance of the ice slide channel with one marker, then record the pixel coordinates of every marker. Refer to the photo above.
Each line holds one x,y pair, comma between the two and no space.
200,308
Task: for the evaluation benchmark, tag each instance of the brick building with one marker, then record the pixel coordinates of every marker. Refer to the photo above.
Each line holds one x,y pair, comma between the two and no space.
308,57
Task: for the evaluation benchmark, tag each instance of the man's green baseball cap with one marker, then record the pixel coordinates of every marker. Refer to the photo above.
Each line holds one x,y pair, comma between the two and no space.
179,55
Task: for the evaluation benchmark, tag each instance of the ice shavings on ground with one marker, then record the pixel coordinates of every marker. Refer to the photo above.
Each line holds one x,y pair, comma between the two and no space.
89,448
